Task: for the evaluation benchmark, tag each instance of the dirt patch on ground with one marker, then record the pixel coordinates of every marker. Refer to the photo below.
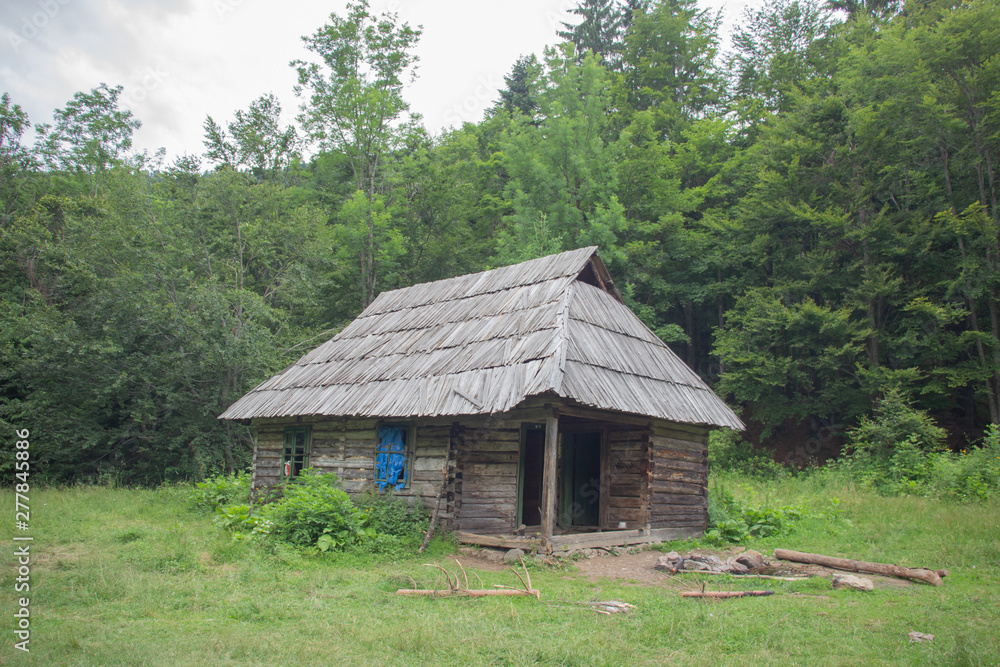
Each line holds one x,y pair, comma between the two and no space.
57,557
637,568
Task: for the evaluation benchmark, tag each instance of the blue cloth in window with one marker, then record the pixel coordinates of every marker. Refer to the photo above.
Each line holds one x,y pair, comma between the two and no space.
390,458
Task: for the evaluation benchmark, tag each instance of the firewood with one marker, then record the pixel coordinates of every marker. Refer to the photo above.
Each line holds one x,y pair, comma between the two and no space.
929,576
724,594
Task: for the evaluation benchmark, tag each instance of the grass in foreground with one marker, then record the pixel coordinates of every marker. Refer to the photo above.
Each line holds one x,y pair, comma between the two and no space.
131,577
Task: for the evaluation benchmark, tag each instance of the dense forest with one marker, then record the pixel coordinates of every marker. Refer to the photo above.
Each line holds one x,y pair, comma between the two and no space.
809,219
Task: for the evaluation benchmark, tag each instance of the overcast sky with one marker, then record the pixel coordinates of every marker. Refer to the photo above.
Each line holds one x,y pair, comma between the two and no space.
180,60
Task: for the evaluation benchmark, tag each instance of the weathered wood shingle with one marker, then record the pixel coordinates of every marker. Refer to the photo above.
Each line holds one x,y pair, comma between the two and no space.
484,342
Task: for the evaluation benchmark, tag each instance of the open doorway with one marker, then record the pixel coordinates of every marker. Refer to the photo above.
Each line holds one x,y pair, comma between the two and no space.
531,474
580,480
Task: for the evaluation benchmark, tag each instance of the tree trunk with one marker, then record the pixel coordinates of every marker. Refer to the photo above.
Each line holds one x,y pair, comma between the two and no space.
930,576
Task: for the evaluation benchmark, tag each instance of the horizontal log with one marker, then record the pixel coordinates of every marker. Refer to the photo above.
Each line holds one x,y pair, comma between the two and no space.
631,516
491,469
489,446
679,488
672,499
659,453
679,476
698,513
664,465
473,435
433,432
434,443
428,463
430,476
490,457
621,478
431,452
678,444
625,501
484,525
920,574
502,541
485,512
694,429
491,485
627,490
602,415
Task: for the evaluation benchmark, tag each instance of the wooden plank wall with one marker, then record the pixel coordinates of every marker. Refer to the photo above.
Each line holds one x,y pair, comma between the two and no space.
485,496
346,446
627,488
678,476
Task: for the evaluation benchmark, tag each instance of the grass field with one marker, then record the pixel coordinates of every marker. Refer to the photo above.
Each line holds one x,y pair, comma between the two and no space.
132,577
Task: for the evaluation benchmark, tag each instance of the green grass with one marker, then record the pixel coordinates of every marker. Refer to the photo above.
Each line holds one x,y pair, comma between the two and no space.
131,577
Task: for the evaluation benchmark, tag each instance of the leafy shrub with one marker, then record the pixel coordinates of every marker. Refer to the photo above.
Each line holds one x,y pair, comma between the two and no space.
312,506
731,520
729,452
392,515
220,490
900,452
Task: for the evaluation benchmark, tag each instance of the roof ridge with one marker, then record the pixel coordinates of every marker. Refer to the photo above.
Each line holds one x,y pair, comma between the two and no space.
475,278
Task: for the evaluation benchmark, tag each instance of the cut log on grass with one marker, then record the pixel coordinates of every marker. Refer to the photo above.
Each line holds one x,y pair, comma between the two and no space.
725,594
929,576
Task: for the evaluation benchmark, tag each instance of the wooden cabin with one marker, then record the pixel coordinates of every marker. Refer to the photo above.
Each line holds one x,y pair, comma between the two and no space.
528,400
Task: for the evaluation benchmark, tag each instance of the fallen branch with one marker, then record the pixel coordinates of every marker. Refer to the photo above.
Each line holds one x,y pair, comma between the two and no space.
725,594
744,576
930,576
472,593
455,588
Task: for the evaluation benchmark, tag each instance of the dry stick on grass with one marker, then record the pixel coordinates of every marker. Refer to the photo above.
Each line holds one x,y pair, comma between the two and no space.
725,594
463,574
742,576
932,577
454,589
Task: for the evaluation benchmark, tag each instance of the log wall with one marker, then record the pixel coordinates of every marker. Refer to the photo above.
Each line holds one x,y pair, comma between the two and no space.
488,454
678,480
656,472
627,478
346,446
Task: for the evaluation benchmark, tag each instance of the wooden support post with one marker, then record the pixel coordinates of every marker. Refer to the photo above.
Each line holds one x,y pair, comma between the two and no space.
549,478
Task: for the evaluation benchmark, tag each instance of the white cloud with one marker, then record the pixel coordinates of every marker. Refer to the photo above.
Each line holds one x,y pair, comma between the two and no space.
180,61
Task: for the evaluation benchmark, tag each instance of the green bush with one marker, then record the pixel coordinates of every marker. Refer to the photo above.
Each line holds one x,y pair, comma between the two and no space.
391,515
221,490
916,463
731,520
312,506
897,428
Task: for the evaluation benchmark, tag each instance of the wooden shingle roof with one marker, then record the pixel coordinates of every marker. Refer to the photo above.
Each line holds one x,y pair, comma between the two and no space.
482,343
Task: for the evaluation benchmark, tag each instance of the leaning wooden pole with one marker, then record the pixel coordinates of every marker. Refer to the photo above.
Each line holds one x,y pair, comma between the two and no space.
932,577
549,478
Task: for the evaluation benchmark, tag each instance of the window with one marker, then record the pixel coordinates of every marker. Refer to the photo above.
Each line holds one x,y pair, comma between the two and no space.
392,456
295,456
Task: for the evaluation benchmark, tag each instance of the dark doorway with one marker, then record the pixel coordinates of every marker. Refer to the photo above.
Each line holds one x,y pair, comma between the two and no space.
532,467
580,483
